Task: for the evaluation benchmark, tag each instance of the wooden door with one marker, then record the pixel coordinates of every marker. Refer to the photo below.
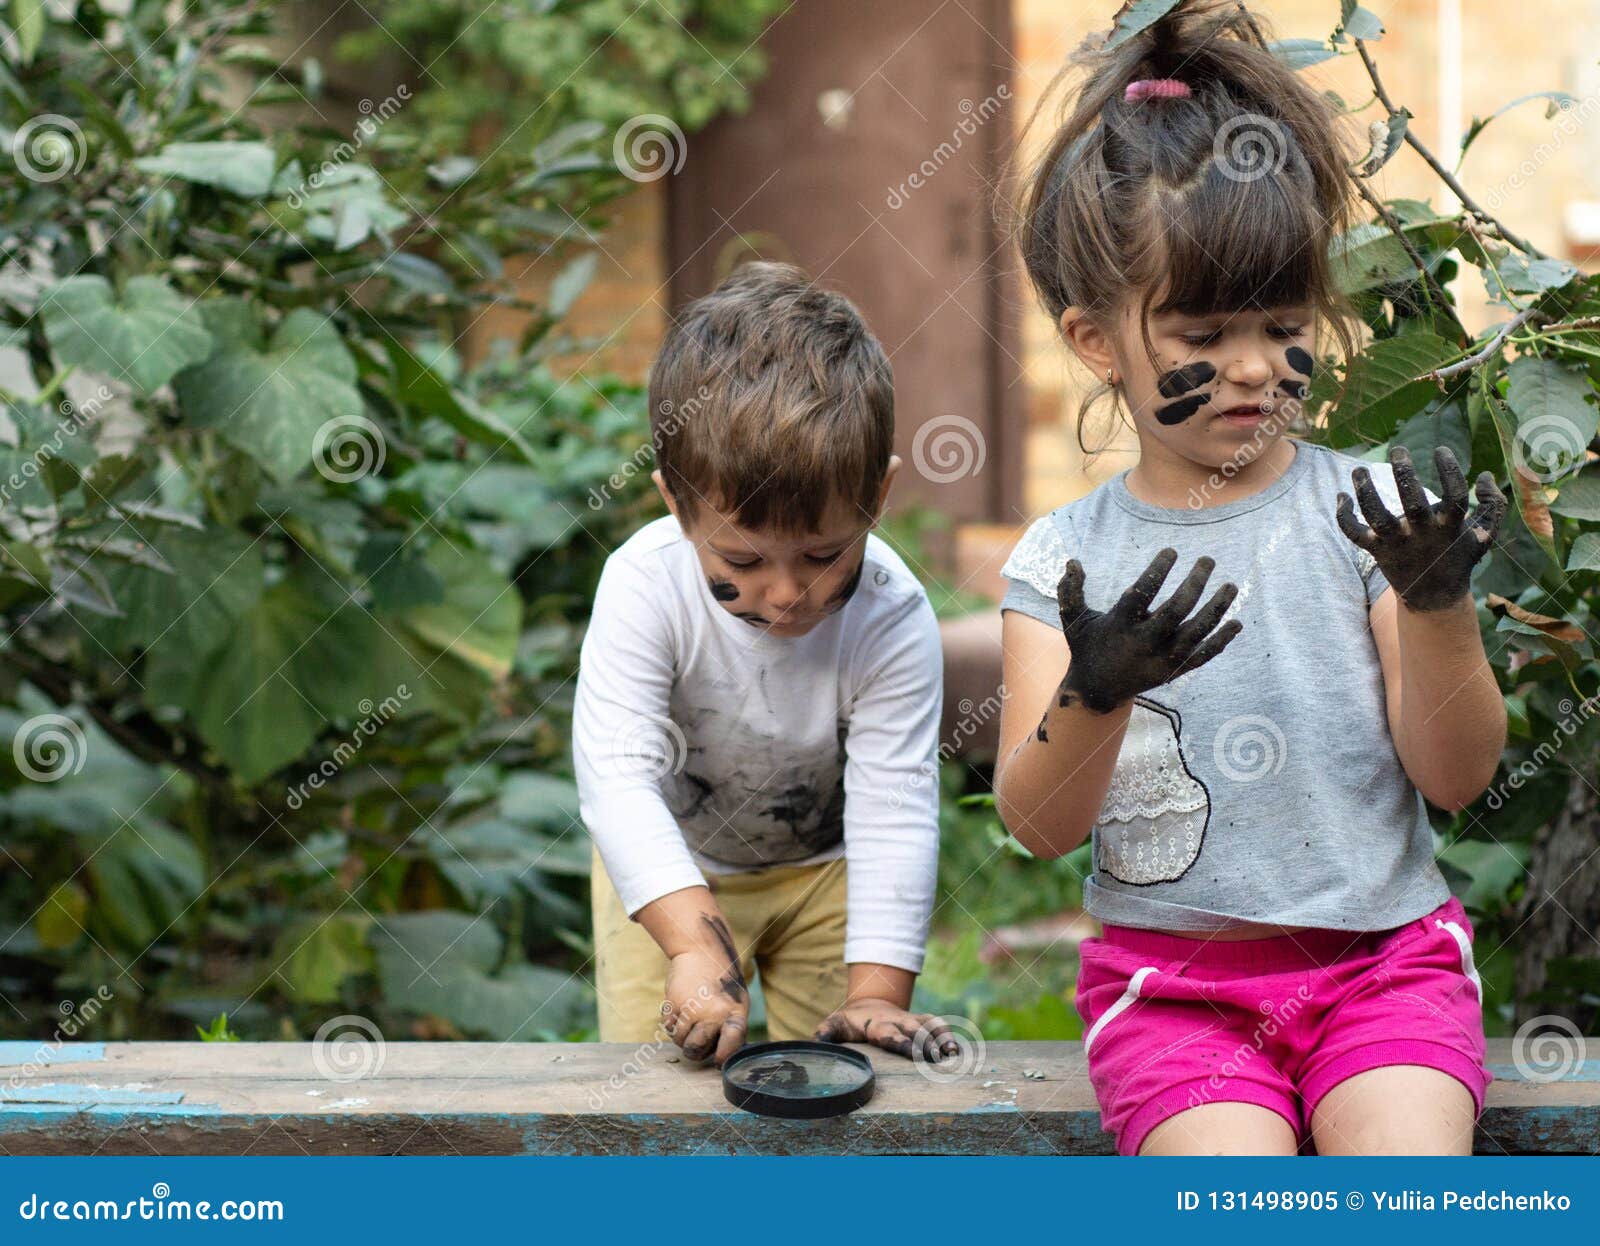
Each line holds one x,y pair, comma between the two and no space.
868,157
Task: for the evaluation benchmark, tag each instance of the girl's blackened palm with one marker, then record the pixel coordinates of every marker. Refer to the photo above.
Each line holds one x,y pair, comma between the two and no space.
1130,648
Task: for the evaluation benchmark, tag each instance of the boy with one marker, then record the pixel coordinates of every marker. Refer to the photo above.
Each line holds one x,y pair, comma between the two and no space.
756,722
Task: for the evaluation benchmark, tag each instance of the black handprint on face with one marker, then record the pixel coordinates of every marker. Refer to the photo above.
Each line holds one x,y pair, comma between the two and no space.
1129,649
1428,554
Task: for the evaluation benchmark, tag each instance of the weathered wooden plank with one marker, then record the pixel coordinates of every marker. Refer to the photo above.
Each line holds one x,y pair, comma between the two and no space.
593,1098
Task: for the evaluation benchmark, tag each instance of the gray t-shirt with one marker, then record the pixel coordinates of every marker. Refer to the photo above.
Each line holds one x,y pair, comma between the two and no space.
1264,785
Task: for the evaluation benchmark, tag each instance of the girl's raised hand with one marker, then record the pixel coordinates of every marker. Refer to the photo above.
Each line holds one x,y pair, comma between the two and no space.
1428,554
1118,653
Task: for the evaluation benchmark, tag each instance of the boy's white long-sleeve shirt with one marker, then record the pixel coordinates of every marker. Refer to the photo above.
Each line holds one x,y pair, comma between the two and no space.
703,745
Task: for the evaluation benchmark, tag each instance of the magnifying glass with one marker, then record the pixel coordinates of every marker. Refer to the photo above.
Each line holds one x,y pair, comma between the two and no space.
800,1079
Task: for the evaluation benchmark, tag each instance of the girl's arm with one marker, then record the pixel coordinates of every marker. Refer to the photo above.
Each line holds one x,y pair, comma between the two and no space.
1055,763
1445,710
1052,778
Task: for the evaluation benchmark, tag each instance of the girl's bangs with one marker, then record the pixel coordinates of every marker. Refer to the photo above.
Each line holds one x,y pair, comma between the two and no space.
1234,244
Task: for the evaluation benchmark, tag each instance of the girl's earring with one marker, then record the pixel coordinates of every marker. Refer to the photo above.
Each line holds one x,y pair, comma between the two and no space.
1110,379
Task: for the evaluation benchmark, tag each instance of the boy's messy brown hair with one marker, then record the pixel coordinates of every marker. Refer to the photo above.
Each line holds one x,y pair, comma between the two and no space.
1228,198
770,398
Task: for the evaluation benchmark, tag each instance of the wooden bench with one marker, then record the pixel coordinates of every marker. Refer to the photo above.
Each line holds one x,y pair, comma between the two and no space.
1025,1098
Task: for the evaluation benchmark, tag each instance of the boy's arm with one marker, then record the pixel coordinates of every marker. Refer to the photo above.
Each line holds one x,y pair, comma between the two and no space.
891,827
623,743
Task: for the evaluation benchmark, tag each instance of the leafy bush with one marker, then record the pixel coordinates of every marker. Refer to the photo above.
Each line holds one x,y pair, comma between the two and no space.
291,591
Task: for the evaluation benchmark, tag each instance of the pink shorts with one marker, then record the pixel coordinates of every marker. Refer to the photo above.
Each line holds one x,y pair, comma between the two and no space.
1172,1022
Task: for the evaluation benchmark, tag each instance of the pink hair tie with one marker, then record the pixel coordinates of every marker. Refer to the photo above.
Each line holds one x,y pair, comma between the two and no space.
1156,88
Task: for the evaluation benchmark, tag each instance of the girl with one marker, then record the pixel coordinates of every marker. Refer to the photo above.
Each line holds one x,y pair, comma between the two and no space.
1280,958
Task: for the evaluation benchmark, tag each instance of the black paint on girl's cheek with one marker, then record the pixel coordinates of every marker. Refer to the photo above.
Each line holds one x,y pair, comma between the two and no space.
1182,380
723,590
1178,412
1293,389
1040,733
1299,360
847,590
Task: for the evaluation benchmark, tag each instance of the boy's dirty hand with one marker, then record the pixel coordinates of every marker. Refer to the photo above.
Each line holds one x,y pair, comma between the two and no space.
707,1009
1130,648
1429,552
885,1024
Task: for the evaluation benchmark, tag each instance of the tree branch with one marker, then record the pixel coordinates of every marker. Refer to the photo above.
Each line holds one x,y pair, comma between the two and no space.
1449,178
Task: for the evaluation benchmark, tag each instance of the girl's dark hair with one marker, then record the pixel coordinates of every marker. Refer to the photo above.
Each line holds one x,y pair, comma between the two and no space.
1219,201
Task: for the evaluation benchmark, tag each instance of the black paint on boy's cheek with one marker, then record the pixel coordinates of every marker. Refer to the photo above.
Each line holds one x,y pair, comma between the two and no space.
1182,380
1178,412
847,590
723,590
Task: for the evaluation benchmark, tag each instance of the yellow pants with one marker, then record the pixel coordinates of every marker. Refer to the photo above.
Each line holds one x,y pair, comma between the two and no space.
787,922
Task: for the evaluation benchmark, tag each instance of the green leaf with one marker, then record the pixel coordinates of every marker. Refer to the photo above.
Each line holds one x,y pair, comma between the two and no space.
1579,497
63,918
1585,553
1555,420
289,664
1534,276
1302,53
1368,255
144,337
1141,15
419,387
1556,101
571,282
444,963
240,168
271,397
27,21
1383,388
189,600
1356,22
315,956
535,798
